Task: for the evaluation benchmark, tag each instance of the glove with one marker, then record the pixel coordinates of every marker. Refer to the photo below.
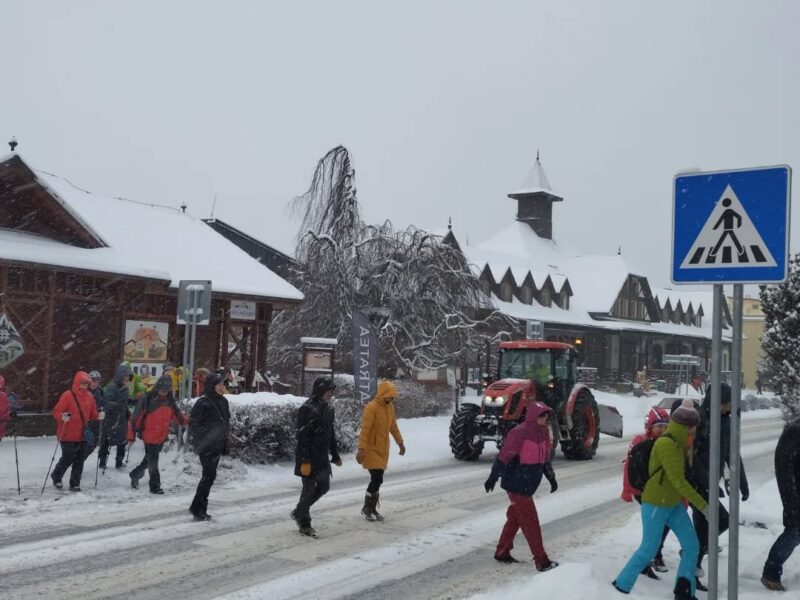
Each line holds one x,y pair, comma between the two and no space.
745,494
66,417
101,415
305,469
337,461
360,456
402,449
489,485
553,486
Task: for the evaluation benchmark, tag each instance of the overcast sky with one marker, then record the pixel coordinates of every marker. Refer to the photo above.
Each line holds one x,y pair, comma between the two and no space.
442,105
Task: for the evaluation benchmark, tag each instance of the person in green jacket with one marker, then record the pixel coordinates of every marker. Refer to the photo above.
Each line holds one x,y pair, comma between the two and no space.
662,504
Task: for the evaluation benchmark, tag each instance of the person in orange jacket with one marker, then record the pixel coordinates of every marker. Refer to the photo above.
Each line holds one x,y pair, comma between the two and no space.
378,421
73,412
152,417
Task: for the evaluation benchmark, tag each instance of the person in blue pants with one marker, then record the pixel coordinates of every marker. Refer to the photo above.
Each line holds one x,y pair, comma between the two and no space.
662,504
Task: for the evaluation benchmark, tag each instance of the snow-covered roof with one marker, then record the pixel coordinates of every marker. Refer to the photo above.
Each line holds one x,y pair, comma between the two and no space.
596,280
535,182
144,240
693,298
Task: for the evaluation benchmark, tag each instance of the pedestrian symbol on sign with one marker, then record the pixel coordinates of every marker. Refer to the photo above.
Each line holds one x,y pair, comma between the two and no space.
728,238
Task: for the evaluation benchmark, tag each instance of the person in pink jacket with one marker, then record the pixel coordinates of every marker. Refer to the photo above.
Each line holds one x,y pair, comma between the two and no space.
655,424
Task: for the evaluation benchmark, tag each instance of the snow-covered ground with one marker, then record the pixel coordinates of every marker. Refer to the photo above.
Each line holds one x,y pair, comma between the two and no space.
442,517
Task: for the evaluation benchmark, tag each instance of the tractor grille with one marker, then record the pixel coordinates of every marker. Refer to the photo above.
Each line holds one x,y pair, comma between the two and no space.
493,411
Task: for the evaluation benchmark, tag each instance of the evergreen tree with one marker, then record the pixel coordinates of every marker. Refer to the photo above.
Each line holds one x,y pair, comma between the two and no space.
779,343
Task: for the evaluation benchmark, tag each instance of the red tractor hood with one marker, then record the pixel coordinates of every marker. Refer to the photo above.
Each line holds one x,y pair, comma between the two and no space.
507,387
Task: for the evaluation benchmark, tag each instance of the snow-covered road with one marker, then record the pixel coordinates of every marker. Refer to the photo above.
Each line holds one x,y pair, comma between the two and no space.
437,540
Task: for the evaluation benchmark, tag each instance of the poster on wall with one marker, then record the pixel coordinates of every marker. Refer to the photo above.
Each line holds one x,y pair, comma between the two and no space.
11,347
148,372
145,342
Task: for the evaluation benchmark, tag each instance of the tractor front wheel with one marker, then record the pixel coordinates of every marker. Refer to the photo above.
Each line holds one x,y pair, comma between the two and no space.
585,433
463,431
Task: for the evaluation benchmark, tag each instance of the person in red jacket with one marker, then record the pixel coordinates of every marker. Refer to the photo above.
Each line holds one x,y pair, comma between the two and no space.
655,424
73,412
151,419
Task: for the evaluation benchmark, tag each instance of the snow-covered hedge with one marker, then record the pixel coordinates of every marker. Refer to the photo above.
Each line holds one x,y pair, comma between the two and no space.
263,426
415,399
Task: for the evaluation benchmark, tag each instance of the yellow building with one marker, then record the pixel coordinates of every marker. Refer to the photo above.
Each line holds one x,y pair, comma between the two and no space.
752,330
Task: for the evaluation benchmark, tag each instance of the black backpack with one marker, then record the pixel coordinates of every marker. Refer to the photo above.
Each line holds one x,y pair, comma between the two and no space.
638,465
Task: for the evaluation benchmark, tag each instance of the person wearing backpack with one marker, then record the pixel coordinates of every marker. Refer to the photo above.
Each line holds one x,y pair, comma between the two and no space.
635,474
662,504
521,463
73,412
115,428
152,417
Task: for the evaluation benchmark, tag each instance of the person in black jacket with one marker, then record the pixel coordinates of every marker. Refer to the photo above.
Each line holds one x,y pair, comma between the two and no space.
115,426
787,472
701,467
209,425
315,441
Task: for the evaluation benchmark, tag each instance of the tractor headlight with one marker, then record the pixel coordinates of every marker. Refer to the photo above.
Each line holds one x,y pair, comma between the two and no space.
494,400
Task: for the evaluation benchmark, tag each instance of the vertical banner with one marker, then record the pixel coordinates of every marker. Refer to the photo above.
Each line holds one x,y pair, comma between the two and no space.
365,357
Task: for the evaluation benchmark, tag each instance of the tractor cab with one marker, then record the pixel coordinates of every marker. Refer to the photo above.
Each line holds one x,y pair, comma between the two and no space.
549,365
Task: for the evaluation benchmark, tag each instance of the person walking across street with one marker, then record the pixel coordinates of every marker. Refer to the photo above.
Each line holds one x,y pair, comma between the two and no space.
116,397
151,419
787,472
700,473
316,449
73,412
662,504
655,425
378,421
521,463
209,426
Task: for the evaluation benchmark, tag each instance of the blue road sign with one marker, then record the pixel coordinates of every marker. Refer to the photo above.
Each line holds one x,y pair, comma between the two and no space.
731,226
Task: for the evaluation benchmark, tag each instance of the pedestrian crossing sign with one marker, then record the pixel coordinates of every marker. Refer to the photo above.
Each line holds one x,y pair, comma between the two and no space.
731,226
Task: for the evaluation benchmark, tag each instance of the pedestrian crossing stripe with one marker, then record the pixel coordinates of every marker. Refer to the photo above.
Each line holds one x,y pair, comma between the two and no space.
728,239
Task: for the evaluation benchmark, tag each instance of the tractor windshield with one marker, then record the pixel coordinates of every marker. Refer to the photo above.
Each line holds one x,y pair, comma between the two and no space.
526,364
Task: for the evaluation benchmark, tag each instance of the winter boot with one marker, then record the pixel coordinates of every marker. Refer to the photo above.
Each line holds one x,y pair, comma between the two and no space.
134,482
309,531
649,572
118,465
200,516
699,585
57,483
376,502
74,488
658,564
157,491
367,509
505,559
775,586
550,564
683,589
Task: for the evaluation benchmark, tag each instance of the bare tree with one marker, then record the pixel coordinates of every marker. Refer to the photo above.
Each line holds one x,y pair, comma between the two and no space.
437,314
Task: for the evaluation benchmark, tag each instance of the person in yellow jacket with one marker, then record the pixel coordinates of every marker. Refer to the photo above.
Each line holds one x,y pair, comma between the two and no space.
377,423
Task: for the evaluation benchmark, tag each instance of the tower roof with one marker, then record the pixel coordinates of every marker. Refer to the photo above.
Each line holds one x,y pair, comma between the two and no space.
535,182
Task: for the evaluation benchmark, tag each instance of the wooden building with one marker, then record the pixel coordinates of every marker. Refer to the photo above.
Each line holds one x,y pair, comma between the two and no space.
88,281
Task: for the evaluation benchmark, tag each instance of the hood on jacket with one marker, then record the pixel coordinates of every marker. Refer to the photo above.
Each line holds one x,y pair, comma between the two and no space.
655,416
79,377
122,374
386,389
724,398
680,433
164,383
536,410
211,381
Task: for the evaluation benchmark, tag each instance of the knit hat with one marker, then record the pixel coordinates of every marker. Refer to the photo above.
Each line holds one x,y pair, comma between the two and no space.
95,375
686,414
164,384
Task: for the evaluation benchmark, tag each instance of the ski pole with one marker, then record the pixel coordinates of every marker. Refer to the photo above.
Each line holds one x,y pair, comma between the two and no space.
99,448
129,451
16,458
52,460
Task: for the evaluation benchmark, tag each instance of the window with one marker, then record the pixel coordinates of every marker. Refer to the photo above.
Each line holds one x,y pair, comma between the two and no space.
546,299
505,291
565,300
526,294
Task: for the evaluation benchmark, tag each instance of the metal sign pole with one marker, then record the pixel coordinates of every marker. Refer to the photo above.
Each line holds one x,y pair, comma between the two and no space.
193,328
713,467
735,457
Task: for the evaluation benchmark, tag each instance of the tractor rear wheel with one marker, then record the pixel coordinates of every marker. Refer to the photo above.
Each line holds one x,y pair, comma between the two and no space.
585,433
463,431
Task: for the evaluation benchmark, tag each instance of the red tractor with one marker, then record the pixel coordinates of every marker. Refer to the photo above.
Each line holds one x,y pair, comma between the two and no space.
528,371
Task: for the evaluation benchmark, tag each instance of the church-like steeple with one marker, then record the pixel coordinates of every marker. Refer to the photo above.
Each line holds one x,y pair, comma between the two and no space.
535,201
